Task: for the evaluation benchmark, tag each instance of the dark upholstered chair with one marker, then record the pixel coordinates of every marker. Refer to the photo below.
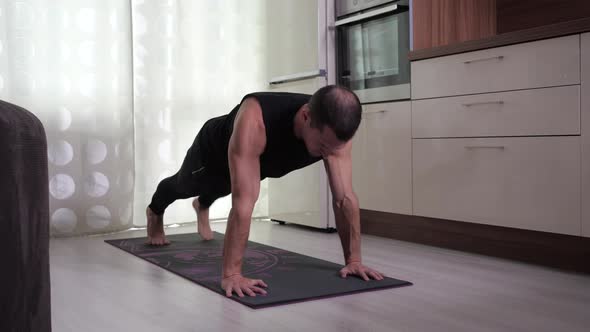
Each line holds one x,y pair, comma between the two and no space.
24,222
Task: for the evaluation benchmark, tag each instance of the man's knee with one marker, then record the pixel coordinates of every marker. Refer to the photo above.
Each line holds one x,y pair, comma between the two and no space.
205,201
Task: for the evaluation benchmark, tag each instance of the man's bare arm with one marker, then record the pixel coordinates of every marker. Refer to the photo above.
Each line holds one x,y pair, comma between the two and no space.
345,203
246,145
347,213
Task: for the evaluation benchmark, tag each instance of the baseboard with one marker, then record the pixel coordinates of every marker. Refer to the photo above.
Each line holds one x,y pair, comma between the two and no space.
548,249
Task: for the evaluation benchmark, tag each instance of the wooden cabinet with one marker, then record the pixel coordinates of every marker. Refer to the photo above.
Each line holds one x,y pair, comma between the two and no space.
382,156
514,15
439,23
444,22
585,108
523,182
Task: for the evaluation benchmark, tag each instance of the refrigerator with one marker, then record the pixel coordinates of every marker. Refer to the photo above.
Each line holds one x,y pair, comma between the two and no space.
301,61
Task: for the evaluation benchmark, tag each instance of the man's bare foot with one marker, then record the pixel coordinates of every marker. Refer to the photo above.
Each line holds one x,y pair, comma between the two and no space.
203,226
155,229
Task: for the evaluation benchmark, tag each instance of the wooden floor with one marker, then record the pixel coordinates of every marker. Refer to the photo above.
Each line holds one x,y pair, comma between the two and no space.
96,287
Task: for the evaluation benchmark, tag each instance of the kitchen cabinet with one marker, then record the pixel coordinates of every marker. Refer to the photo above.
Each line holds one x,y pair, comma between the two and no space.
515,15
538,64
531,112
444,22
521,182
585,109
439,23
382,170
498,136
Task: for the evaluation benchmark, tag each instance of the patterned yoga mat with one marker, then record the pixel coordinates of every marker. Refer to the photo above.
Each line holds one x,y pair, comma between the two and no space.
291,277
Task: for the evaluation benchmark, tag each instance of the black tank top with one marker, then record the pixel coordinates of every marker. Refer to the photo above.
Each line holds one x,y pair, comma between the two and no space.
284,152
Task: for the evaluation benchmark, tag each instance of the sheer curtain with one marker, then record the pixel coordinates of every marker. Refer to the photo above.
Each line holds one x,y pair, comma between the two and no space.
69,63
122,88
193,60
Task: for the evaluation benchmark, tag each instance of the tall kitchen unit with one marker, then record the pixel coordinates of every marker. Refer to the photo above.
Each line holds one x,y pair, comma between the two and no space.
300,62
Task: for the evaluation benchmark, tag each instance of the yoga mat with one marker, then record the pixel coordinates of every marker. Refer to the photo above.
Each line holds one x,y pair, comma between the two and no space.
291,277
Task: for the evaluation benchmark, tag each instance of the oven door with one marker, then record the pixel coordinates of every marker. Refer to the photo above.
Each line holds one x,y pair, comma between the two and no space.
372,54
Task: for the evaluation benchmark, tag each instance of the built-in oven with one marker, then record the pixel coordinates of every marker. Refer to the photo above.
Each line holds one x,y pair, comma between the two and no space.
372,45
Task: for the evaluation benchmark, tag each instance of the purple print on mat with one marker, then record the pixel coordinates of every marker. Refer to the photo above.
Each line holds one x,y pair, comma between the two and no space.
291,277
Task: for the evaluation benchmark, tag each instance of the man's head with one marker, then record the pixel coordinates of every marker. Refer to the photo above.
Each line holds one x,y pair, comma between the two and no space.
332,117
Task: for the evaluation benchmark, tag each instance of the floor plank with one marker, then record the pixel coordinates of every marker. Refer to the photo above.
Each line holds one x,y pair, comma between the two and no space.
96,287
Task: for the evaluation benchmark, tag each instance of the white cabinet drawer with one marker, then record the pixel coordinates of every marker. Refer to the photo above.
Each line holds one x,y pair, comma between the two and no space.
547,111
525,182
543,63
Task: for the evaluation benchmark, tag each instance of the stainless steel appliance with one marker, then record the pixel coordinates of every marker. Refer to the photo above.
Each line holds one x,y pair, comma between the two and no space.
372,45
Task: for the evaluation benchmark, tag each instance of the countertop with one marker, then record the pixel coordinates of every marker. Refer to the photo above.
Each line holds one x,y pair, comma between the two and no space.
521,36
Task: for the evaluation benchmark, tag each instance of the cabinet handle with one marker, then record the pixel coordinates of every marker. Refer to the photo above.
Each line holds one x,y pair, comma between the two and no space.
473,147
500,57
373,112
499,102
298,77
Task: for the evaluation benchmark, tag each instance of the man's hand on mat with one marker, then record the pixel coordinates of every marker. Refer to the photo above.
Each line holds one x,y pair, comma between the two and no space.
241,285
360,270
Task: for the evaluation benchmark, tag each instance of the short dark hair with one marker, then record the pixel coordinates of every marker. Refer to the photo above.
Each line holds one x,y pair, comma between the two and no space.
338,108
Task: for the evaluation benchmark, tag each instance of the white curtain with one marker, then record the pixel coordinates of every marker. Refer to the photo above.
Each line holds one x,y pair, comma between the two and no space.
122,88
193,60
69,62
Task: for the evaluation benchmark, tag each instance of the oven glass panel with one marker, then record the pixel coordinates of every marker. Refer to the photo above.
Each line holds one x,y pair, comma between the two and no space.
373,53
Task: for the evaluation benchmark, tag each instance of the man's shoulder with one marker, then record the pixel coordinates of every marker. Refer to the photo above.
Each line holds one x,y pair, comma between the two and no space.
275,95
250,114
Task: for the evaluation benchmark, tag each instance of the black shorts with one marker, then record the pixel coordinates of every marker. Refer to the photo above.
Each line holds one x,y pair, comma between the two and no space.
199,175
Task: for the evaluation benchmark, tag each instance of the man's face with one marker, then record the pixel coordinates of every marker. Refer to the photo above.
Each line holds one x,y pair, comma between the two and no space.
320,143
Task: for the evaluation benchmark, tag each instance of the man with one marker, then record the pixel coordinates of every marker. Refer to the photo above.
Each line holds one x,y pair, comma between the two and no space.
267,135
